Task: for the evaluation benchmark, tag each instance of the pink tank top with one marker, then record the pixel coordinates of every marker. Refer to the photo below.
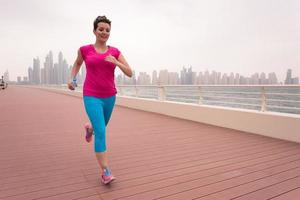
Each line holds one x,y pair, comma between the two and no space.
100,74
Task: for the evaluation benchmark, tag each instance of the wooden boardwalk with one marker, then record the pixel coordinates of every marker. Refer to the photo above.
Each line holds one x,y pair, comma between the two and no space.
43,155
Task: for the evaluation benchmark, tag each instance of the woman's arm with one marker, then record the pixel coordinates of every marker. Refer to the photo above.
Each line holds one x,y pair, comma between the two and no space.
75,69
121,63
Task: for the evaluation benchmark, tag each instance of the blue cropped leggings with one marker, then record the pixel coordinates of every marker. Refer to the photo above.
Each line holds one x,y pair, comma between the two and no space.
99,111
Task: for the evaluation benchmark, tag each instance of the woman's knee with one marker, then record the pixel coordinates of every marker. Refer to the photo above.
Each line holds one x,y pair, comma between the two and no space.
100,139
100,132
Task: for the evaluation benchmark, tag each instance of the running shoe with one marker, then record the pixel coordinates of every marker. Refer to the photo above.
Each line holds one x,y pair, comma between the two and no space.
107,177
88,132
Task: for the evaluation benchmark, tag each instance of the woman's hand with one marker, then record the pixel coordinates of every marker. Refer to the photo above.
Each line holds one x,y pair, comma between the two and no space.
121,63
71,86
111,59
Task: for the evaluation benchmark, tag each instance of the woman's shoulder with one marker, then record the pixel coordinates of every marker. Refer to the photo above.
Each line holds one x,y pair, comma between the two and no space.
85,47
114,50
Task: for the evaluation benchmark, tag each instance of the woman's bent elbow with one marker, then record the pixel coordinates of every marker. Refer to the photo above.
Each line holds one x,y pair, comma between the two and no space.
129,73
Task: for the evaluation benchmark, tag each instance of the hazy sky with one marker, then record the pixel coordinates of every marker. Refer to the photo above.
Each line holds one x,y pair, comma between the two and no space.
240,36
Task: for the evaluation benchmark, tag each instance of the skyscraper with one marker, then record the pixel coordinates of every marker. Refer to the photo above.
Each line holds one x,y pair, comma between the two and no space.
48,69
30,75
272,78
163,78
183,76
224,80
237,79
154,78
173,78
288,79
143,79
255,79
6,76
36,71
231,79
262,79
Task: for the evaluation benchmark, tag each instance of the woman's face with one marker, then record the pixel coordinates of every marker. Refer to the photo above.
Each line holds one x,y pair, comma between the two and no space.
102,32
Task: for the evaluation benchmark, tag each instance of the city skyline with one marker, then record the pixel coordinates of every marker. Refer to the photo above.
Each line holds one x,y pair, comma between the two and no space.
51,72
225,36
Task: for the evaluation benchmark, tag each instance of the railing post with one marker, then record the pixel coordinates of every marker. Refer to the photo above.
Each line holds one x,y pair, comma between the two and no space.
263,99
161,93
136,91
200,95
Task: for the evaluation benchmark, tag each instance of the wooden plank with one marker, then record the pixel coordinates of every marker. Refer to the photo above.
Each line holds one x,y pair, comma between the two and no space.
43,155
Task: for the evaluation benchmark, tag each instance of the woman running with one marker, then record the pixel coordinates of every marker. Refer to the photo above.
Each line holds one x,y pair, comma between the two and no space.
99,91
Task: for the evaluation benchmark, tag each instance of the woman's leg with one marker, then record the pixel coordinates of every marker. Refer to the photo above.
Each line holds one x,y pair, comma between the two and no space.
95,112
108,105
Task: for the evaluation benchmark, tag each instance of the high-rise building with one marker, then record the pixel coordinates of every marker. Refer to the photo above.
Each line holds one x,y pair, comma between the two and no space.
59,74
6,76
262,79
36,71
30,75
143,79
218,78
66,72
48,69
200,79
183,76
288,79
163,77
231,79
237,79
154,78
43,76
224,80
295,81
19,79
243,80
51,65
194,78
189,77
129,81
206,78
272,78
212,77
255,79
173,78
56,74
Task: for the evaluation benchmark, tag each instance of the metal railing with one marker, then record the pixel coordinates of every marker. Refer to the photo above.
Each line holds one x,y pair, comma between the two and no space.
277,98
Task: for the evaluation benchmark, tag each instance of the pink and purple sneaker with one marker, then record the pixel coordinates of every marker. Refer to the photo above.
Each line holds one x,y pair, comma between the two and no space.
88,132
107,177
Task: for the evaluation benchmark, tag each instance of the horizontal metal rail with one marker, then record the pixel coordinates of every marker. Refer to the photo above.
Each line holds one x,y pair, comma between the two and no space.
275,98
282,98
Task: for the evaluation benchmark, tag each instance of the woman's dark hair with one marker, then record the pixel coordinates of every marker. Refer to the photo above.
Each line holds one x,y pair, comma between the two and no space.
101,19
